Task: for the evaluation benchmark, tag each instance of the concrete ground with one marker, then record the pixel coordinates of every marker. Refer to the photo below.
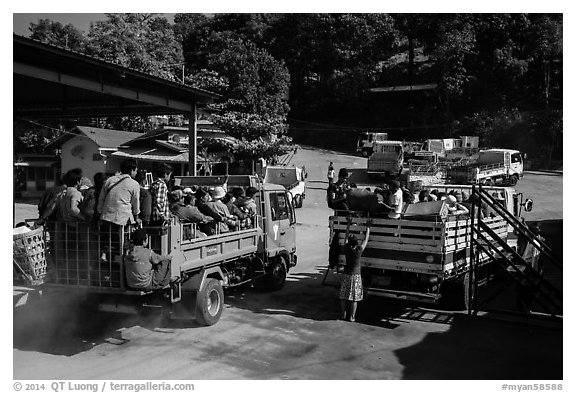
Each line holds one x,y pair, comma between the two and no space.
293,333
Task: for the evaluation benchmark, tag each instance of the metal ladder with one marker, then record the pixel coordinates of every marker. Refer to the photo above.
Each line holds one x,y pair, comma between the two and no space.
485,240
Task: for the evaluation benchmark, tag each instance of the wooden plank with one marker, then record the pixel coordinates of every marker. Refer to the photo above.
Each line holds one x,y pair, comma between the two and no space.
385,222
402,231
404,247
398,265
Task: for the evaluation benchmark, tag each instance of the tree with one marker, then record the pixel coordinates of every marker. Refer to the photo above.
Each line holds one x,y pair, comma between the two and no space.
54,33
144,42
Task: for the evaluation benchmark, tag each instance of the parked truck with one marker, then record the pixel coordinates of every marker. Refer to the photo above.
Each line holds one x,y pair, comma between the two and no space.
425,255
366,140
292,178
387,159
492,166
261,253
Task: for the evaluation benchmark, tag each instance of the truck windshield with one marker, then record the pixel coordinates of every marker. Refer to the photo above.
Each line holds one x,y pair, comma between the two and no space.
279,204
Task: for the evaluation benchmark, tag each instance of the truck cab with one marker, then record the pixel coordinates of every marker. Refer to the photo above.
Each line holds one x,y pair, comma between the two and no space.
387,159
366,140
292,178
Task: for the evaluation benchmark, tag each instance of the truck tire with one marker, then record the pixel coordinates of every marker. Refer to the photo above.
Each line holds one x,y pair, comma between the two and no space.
209,303
365,152
276,278
513,180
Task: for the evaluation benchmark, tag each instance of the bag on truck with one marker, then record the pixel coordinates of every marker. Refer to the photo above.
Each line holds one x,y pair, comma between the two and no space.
363,200
50,210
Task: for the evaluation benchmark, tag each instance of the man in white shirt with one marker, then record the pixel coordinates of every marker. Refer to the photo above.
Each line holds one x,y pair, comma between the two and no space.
395,202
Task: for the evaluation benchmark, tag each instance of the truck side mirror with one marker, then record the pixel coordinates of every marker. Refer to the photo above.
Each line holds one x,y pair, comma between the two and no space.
528,205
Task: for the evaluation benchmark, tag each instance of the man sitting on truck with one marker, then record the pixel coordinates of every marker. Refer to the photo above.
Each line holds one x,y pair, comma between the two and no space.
210,208
146,270
247,202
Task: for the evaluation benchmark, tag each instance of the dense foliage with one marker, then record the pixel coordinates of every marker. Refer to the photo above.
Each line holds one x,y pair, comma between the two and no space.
492,75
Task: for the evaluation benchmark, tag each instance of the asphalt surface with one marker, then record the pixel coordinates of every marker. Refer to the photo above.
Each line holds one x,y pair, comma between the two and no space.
293,333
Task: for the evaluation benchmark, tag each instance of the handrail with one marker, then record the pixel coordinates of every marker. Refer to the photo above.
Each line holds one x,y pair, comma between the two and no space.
528,267
482,247
518,226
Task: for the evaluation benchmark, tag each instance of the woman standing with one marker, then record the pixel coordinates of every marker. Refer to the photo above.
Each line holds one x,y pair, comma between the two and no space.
351,291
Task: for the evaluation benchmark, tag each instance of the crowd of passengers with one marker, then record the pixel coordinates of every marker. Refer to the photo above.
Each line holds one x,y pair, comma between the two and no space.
389,199
111,202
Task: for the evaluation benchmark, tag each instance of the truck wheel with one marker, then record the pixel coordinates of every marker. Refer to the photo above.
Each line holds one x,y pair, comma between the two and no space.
210,303
513,180
365,153
276,279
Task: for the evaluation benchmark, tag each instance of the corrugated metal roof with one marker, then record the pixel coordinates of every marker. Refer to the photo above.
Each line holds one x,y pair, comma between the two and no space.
156,154
108,138
104,138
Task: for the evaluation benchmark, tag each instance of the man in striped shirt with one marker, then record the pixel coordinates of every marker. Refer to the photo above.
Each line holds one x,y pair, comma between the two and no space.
159,191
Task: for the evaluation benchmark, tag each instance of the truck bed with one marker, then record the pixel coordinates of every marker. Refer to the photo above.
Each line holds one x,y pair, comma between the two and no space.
74,254
429,247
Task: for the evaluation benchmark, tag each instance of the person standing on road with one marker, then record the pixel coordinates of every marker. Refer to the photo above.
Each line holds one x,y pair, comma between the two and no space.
351,291
331,173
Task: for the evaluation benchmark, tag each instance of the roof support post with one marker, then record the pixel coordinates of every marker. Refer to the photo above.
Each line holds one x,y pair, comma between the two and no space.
192,132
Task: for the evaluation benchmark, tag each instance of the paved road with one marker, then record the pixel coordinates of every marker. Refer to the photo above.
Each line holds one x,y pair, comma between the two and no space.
293,333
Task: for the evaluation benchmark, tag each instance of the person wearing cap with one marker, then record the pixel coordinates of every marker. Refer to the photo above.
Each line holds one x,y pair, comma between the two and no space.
186,213
454,207
209,207
217,195
146,270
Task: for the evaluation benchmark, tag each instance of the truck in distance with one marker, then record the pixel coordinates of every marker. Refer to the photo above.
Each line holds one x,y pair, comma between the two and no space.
493,166
387,159
292,178
366,140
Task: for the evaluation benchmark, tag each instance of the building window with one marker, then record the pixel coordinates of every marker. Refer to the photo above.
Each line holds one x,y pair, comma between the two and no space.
50,174
31,175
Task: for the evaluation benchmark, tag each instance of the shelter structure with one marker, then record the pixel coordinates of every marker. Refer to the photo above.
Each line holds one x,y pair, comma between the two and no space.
52,82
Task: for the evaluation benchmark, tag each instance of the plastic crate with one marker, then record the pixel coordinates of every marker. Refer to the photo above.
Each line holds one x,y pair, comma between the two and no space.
29,252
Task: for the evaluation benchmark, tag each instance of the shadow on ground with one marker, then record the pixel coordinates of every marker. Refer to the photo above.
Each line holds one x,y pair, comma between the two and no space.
477,348
64,324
